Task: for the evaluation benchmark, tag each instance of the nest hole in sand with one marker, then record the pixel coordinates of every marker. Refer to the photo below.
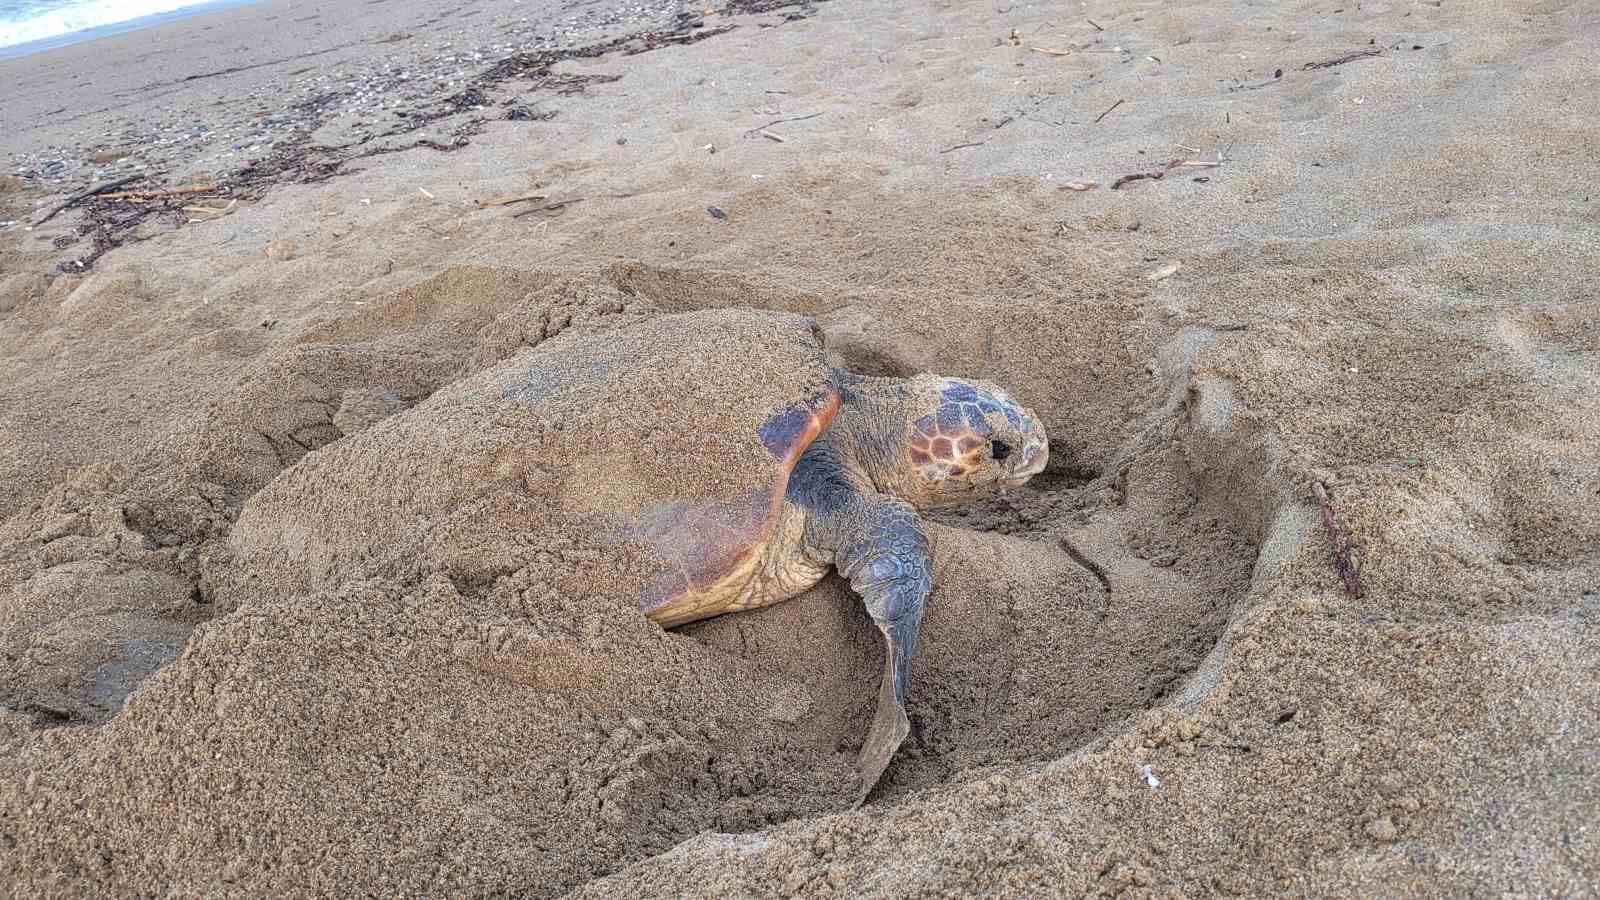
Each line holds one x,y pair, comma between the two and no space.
1072,605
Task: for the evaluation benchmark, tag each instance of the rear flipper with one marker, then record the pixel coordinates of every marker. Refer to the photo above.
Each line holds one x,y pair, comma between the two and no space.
889,563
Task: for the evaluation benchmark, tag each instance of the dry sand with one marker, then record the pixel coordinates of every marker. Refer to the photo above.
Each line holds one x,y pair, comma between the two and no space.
1382,279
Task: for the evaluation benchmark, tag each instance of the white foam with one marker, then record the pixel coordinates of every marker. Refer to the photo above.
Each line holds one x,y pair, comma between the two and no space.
85,15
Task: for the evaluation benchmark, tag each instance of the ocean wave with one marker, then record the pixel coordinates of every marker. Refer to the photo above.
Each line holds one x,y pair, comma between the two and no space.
83,16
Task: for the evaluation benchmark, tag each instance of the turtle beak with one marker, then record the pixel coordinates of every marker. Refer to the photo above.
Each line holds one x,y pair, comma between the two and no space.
1034,457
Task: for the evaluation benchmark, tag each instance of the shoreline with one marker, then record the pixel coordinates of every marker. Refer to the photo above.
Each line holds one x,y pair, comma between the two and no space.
29,48
316,138
204,94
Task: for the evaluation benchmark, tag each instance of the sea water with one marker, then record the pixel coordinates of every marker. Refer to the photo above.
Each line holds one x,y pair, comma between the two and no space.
30,25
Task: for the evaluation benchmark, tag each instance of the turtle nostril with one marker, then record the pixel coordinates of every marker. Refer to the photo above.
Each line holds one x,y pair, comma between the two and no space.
1000,449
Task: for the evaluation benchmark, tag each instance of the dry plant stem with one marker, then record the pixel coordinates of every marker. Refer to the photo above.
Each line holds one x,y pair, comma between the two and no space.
1341,545
507,201
157,195
1339,61
1108,111
85,194
760,128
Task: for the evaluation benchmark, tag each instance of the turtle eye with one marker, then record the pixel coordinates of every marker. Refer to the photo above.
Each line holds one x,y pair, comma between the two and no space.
999,449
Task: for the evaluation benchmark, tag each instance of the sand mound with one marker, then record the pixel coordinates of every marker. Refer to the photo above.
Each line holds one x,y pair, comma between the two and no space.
396,571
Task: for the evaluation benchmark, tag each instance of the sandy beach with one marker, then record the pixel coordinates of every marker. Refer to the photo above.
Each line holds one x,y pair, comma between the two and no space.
1307,602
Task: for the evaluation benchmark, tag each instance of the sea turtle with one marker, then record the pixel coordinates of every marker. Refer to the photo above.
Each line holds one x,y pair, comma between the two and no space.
857,462
720,447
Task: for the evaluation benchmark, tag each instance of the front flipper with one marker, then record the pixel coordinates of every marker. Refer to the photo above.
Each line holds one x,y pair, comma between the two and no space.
889,563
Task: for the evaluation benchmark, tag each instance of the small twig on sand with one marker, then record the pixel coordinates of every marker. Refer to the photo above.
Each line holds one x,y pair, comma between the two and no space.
1136,176
1096,27
1051,52
85,194
548,207
760,128
770,136
1108,111
1341,545
507,201
142,196
1348,57
963,146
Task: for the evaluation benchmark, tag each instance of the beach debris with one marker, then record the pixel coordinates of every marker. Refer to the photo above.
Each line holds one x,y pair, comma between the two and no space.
278,148
1341,60
1341,544
710,148
424,192
762,129
716,212
507,201
552,206
1171,165
1136,176
1277,75
1081,185
963,146
207,187
1108,111
521,113
210,212
1051,52
82,195
1094,25
1165,272
1147,772
281,250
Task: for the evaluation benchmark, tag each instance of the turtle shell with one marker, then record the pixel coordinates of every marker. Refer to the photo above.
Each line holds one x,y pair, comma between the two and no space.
667,442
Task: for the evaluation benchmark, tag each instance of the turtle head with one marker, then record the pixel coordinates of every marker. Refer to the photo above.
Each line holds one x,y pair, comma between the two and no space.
965,440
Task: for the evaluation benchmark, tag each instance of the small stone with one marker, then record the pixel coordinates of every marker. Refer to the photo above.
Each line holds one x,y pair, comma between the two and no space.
1382,830
280,249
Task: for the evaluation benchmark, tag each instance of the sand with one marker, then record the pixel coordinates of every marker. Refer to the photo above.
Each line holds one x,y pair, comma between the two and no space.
1142,675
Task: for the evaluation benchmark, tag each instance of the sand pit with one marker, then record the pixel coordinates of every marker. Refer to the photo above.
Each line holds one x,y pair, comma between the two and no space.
268,627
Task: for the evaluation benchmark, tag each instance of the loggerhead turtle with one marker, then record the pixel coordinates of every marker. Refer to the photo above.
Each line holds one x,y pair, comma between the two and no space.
720,445
857,461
